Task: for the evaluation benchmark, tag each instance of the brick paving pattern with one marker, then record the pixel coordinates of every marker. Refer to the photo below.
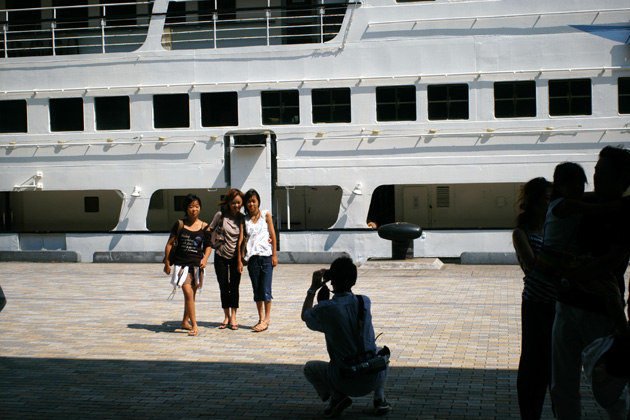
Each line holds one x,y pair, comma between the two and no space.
100,341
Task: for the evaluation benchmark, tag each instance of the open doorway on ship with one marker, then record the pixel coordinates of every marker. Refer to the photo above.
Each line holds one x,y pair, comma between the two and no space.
312,207
166,206
65,211
382,208
454,206
5,209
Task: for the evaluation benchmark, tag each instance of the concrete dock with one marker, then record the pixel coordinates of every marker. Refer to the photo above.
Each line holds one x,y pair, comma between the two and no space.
101,341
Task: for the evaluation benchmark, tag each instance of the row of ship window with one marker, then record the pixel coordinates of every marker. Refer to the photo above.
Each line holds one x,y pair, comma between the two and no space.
515,99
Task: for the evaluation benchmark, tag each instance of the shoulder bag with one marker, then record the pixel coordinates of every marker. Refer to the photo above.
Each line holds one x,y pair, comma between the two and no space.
217,237
364,363
171,254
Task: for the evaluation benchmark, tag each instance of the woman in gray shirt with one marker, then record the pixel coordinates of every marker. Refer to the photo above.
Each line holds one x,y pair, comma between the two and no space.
227,259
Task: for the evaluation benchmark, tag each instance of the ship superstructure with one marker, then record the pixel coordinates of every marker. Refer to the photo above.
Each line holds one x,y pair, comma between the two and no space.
343,115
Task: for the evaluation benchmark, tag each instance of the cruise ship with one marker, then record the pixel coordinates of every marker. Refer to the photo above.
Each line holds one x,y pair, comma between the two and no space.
344,115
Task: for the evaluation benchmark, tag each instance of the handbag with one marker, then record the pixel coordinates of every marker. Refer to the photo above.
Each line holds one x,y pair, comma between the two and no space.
364,363
171,254
216,235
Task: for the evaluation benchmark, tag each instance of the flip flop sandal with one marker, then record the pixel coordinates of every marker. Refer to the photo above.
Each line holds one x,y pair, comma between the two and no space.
264,326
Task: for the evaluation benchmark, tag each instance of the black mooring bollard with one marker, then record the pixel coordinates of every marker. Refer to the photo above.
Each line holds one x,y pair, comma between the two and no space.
402,235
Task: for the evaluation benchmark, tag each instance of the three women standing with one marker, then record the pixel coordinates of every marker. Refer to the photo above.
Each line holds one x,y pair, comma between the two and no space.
190,238
193,238
227,258
260,254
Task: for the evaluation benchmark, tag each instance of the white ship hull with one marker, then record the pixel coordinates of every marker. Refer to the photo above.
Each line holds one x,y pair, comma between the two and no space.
457,178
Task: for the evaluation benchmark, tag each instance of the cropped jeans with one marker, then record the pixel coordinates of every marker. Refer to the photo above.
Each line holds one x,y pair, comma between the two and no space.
260,273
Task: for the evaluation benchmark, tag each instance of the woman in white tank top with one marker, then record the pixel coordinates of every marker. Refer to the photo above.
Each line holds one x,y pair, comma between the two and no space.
261,255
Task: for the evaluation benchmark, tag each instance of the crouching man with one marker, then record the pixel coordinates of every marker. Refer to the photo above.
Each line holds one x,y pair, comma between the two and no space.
346,321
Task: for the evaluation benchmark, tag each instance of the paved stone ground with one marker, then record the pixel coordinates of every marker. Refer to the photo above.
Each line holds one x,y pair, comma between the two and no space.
93,341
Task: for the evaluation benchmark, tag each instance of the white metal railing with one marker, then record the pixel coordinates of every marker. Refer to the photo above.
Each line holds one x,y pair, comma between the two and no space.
255,26
597,12
103,28
67,30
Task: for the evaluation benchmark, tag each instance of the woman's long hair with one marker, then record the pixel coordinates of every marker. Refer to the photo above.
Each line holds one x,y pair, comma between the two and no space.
531,192
228,198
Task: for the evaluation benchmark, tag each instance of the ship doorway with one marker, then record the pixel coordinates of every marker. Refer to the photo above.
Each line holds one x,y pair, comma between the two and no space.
382,207
416,205
5,209
250,158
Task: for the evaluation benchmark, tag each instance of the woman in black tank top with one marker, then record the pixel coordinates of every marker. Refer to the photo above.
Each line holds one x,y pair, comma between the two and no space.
190,237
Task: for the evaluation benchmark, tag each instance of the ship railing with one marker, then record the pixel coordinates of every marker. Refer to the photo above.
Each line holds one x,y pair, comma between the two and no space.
104,28
67,30
254,26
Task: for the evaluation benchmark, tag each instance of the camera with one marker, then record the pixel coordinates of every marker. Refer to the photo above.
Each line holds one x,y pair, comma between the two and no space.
327,276
365,364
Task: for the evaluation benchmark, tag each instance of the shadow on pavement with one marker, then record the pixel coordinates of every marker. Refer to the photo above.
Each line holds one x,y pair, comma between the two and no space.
95,389
172,326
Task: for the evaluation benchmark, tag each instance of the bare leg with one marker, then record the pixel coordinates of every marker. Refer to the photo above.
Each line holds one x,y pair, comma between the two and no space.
189,307
233,323
263,321
259,307
267,318
226,320
185,321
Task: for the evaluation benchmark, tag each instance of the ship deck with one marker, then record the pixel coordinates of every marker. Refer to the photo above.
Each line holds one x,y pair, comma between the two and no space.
100,341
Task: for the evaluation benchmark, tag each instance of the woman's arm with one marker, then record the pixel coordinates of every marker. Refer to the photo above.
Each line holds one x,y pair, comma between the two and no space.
214,222
167,251
207,250
523,249
272,236
238,246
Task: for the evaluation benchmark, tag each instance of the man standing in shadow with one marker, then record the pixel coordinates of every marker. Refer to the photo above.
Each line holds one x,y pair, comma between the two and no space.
583,316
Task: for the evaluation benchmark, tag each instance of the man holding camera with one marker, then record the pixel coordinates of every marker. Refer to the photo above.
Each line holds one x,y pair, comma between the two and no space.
355,367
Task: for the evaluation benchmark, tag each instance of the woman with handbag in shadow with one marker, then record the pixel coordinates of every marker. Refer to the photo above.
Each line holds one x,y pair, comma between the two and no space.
226,228
260,255
187,251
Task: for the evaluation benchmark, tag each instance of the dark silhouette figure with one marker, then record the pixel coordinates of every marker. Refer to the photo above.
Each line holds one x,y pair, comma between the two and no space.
583,312
538,301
